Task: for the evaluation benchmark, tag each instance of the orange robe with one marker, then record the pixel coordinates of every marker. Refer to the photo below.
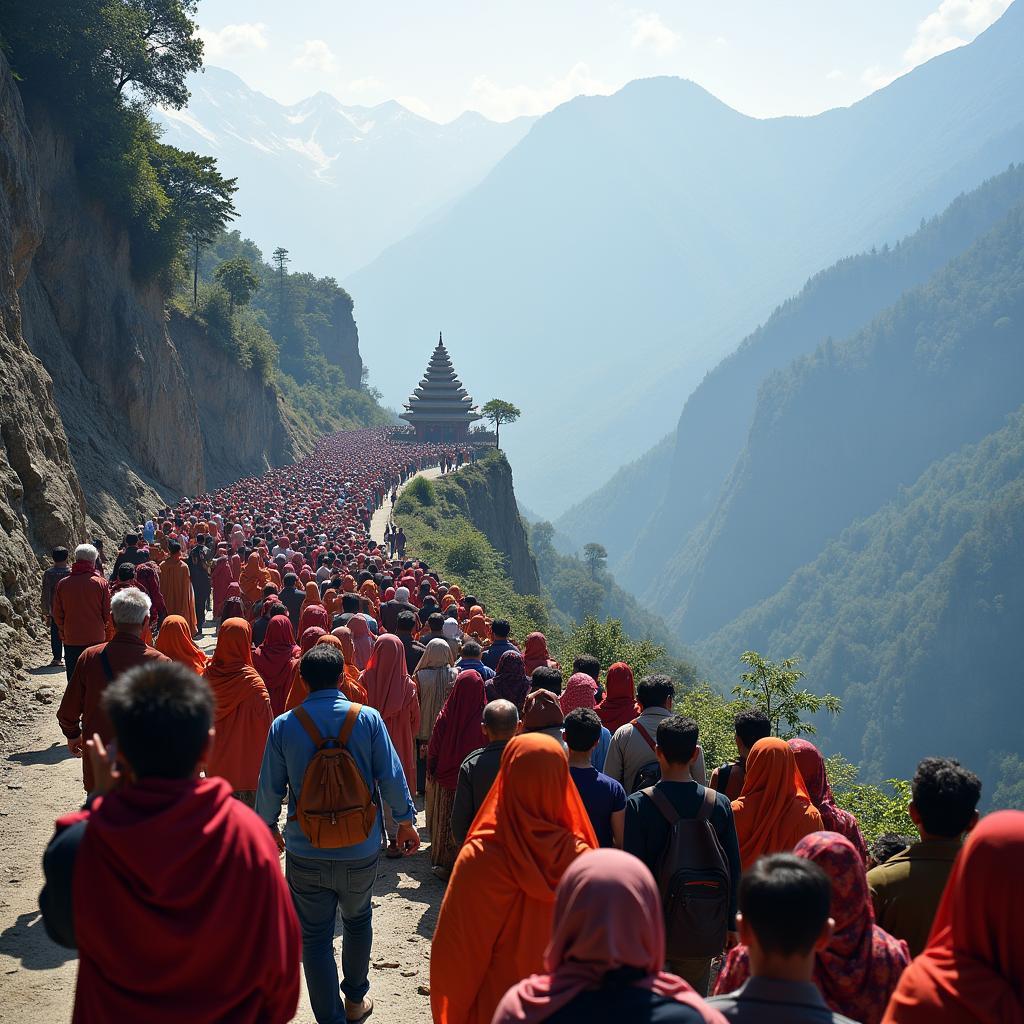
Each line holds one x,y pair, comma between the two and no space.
252,579
348,684
774,811
243,717
176,587
530,828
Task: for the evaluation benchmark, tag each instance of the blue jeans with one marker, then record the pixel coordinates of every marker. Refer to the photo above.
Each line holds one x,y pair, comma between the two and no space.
319,888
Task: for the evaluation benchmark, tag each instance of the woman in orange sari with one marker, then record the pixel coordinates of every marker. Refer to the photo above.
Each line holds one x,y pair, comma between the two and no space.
332,603
348,651
242,717
312,597
530,828
351,689
774,811
176,642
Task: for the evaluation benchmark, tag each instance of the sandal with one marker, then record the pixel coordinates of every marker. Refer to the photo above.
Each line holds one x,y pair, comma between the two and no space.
367,1003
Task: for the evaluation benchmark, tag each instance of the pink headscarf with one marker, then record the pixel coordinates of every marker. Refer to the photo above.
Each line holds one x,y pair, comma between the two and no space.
607,915
386,679
580,692
362,640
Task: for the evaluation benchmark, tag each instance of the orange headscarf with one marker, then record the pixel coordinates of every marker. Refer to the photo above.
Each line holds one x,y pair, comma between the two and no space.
774,811
530,828
253,579
175,641
331,602
242,716
312,597
349,687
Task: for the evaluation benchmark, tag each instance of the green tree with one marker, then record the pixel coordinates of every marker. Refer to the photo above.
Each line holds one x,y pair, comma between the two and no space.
878,809
201,199
152,47
607,641
595,556
498,411
771,686
281,260
239,279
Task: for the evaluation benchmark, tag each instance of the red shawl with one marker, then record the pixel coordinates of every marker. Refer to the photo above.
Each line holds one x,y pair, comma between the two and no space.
536,653
181,911
619,705
972,970
457,732
386,679
276,660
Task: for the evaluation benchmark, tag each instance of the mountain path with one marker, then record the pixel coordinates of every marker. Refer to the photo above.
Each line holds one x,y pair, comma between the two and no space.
381,516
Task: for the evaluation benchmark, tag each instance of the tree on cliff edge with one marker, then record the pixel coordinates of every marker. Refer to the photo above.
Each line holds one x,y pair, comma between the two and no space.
498,411
239,280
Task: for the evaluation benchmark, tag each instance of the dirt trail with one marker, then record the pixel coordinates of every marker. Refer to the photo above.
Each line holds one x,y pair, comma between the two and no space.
39,781
381,516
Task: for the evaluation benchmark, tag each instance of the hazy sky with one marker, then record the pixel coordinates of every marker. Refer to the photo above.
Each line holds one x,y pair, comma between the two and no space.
511,57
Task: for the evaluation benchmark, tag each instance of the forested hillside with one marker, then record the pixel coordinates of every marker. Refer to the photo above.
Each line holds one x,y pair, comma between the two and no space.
914,616
646,231
837,434
677,489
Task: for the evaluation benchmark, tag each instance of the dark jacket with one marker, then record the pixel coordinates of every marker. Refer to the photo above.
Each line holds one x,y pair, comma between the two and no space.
476,776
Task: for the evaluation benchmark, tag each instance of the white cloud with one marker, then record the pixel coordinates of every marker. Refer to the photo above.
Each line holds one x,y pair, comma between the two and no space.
835,74
416,105
315,55
649,31
954,23
878,78
502,103
234,39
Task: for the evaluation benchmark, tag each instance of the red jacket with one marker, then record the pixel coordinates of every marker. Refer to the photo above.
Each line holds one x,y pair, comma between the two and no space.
81,606
80,711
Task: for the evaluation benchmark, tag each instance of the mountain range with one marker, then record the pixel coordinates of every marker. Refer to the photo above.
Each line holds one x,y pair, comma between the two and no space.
334,184
614,255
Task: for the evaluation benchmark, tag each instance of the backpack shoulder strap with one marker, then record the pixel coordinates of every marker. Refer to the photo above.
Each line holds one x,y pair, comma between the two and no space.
724,774
646,735
663,804
707,805
302,715
349,724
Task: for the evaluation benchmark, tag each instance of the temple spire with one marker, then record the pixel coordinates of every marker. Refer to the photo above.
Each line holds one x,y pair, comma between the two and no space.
440,409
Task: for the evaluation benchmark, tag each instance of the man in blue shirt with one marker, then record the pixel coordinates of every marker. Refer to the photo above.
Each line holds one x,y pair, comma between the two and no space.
470,661
324,880
604,798
501,629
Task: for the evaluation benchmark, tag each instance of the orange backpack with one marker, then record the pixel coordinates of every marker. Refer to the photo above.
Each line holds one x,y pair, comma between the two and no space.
335,807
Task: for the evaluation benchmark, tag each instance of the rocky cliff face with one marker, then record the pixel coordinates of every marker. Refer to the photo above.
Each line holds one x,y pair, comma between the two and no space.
487,498
339,341
241,421
41,502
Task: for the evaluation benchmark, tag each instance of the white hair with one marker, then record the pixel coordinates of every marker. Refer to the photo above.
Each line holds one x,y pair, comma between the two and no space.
86,553
129,607
402,594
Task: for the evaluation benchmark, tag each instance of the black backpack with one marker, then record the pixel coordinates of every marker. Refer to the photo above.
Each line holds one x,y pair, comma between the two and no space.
649,774
693,878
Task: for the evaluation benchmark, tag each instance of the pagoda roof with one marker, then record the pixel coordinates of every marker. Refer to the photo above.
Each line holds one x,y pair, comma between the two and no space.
440,397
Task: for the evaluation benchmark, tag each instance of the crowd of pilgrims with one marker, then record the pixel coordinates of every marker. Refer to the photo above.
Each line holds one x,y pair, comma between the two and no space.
592,869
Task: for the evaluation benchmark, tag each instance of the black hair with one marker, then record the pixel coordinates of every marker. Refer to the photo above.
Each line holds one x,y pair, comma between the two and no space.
174,546
321,667
545,677
269,588
405,622
945,795
131,538
752,725
785,900
501,628
471,649
587,664
278,609
887,845
60,554
125,572
677,738
350,602
161,714
653,691
290,579
435,621
582,729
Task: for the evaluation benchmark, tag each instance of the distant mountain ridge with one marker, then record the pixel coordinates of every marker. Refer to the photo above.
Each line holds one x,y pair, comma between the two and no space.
612,256
334,183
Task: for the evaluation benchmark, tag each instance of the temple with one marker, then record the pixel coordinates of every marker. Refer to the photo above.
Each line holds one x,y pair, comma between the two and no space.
440,409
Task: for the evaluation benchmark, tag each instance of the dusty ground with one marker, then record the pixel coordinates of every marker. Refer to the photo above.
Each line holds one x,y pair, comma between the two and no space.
39,781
